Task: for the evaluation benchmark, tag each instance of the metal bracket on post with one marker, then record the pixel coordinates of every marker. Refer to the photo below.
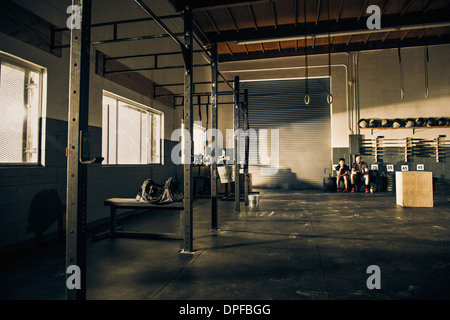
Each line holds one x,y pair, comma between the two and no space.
84,149
188,125
76,211
236,145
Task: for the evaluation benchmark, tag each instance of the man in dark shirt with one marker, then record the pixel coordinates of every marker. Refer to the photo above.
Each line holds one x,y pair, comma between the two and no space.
342,172
360,171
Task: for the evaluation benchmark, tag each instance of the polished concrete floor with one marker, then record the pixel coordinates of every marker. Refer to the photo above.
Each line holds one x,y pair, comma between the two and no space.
295,245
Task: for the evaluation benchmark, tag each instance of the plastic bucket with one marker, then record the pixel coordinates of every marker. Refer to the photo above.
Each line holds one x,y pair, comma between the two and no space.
253,200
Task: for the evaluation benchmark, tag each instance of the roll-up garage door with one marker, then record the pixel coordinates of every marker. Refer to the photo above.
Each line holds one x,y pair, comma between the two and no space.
304,131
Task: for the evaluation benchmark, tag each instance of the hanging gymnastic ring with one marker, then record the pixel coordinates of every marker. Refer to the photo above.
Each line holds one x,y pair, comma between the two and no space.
329,98
307,99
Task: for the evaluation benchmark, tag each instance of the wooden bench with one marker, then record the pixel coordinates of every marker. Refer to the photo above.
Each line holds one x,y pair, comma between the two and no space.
130,203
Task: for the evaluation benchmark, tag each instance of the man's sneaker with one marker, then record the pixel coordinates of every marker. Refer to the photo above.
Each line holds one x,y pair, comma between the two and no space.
353,190
367,190
345,190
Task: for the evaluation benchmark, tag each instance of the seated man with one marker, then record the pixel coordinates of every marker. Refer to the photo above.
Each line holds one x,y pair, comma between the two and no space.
360,171
342,171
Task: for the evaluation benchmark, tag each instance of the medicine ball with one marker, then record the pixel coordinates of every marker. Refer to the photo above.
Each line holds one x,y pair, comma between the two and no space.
420,122
443,122
386,123
363,123
431,122
374,123
410,123
397,123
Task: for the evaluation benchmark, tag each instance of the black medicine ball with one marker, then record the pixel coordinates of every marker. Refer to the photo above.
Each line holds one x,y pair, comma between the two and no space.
363,123
410,123
397,123
374,123
443,122
431,122
420,122
386,123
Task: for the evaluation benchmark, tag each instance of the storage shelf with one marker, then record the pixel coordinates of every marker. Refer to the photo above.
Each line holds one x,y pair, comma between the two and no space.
413,128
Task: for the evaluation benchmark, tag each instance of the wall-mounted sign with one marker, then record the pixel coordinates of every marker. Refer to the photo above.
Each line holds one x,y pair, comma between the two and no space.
420,167
373,167
405,167
390,168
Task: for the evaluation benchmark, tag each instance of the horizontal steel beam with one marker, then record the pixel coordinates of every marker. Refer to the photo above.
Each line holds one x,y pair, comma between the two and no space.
182,84
194,94
201,5
156,36
202,104
113,23
154,68
148,55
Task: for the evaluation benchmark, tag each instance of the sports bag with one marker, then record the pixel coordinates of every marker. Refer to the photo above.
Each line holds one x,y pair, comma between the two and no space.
152,192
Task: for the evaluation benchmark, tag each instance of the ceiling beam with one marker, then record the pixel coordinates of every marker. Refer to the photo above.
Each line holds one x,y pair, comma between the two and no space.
338,48
427,6
406,7
415,20
230,14
386,5
340,11
252,14
318,12
199,5
349,40
274,13
404,34
229,49
363,9
212,21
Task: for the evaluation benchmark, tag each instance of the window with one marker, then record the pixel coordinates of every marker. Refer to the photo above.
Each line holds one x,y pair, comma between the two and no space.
132,133
20,110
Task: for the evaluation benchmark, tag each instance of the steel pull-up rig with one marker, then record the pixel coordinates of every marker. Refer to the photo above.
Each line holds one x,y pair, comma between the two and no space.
80,42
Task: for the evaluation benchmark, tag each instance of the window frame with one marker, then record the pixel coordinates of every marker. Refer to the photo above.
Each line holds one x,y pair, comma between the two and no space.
139,107
30,66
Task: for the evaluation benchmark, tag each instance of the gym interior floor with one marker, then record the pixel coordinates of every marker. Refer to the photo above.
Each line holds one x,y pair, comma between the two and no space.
295,245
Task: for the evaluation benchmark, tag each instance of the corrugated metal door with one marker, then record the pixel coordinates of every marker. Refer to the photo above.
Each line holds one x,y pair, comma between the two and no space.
304,131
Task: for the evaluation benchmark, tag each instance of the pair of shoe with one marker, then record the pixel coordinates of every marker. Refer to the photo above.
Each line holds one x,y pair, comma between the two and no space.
345,190
353,190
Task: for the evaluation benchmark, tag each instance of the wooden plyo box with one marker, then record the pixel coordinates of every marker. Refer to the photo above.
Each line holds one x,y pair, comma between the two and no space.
414,188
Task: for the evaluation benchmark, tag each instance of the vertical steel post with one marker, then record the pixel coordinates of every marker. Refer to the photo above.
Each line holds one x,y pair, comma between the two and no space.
188,125
247,148
77,172
236,145
214,89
